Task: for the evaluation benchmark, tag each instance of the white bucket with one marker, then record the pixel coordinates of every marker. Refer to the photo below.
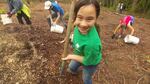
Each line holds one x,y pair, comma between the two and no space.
5,19
131,39
57,28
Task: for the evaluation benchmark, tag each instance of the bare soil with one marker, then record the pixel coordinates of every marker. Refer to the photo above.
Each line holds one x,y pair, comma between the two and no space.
33,55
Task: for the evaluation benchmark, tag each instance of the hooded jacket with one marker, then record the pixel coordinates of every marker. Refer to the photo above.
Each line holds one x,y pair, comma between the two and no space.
16,6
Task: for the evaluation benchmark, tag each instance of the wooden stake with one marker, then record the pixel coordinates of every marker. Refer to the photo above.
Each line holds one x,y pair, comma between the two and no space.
69,26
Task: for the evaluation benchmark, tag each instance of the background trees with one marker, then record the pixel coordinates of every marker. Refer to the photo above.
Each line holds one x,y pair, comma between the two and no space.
134,6
141,7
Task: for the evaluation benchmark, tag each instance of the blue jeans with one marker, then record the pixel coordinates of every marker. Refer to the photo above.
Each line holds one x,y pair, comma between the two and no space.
87,71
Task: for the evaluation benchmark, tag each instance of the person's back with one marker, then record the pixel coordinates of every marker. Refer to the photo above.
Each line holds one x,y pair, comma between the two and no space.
57,8
121,6
127,19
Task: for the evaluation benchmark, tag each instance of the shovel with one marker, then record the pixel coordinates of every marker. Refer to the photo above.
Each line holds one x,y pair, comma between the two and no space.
65,52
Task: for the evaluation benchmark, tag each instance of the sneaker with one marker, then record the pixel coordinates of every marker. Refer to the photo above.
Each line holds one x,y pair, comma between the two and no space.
70,71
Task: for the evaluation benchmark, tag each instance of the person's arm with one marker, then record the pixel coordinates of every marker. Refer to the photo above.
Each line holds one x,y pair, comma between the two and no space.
10,7
71,33
58,16
74,57
131,28
50,16
116,29
17,4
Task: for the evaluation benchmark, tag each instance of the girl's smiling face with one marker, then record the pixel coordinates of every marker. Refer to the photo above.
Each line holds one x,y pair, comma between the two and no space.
86,18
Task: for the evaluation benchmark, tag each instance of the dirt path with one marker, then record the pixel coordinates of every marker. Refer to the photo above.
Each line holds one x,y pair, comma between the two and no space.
33,55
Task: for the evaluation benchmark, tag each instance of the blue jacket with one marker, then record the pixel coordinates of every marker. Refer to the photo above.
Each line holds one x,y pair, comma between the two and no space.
57,8
15,6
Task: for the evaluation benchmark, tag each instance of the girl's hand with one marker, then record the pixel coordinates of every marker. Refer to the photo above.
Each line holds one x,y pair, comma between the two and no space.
74,57
66,58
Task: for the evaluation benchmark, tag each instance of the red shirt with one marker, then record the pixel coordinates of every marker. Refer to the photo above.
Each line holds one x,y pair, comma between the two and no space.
125,20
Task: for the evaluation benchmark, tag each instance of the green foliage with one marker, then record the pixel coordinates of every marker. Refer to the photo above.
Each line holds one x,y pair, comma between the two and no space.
141,7
128,4
148,14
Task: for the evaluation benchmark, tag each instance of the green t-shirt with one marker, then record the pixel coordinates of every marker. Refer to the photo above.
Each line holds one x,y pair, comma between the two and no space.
89,46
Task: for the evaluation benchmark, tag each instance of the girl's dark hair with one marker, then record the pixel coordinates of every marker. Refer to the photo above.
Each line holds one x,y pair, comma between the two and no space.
81,3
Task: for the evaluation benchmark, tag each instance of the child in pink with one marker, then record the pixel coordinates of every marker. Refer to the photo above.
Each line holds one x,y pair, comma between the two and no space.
125,24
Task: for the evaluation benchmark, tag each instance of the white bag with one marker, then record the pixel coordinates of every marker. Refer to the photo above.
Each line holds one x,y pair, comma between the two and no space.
131,39
57,28
5,19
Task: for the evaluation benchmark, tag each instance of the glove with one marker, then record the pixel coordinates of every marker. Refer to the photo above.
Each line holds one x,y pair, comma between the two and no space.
9,14
113,36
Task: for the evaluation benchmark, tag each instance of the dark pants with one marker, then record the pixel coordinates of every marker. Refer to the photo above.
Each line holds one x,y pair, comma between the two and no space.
21,16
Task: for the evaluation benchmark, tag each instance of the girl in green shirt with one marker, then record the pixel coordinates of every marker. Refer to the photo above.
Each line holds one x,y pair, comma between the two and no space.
86,41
